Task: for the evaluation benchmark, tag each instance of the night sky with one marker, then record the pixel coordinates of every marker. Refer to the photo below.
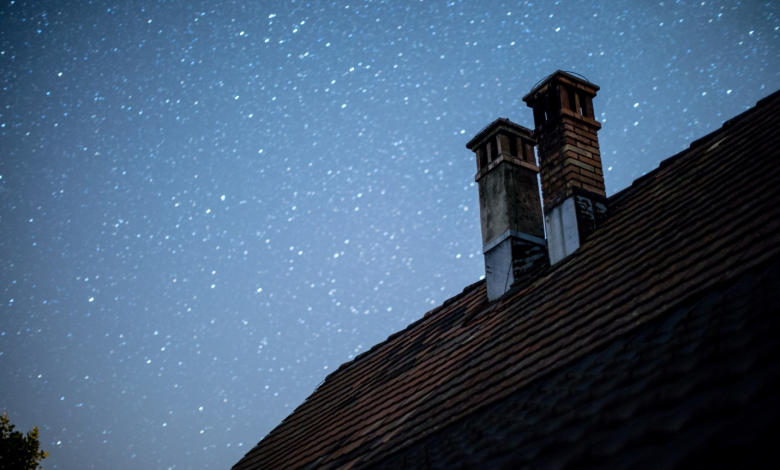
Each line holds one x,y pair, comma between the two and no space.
206,207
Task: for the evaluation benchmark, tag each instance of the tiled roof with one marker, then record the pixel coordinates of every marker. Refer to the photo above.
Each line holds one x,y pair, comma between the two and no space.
695,388
621,337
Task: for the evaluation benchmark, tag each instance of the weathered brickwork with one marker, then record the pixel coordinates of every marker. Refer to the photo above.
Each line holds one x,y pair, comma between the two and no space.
566,133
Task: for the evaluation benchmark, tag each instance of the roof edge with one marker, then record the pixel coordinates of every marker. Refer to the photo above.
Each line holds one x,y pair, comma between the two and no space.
694,145
343,367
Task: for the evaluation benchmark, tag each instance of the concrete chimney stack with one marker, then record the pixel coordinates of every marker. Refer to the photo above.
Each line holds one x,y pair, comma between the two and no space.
509,206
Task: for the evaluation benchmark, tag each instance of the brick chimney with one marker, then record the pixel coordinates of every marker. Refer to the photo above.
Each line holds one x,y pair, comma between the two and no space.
509,207
569,159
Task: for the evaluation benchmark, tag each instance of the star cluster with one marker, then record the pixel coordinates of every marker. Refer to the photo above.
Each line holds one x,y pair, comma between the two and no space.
206,207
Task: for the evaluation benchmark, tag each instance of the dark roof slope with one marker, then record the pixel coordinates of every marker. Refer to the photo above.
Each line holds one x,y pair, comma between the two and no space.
695,388
702,221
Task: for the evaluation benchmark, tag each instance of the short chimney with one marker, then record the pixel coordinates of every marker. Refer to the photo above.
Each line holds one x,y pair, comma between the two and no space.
509,207
569,158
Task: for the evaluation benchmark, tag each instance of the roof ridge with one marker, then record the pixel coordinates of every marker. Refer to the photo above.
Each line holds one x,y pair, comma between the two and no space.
409,327
695,144
644,206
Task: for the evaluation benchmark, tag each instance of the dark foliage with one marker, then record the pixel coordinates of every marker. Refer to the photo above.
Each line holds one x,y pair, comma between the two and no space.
17,450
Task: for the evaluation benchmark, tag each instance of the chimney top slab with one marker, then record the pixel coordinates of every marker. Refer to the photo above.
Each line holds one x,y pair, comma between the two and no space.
580,83
497,125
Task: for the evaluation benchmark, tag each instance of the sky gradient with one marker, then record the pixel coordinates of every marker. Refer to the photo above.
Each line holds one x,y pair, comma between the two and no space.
206,207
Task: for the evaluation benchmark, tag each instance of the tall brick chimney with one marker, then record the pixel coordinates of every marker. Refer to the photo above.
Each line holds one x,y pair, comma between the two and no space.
509,207
569,159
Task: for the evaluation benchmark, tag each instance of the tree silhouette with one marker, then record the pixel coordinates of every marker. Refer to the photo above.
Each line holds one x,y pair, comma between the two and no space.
19,451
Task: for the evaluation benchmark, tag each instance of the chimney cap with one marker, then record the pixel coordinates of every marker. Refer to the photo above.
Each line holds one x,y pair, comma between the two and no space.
573,78
495,126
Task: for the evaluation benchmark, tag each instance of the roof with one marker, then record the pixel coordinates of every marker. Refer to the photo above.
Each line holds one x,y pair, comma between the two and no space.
662,323
664,396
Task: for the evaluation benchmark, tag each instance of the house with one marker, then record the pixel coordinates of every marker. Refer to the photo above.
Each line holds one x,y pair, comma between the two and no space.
642,332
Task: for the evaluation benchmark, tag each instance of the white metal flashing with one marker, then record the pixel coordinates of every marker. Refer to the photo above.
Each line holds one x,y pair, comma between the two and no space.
492,243
562,234
498,269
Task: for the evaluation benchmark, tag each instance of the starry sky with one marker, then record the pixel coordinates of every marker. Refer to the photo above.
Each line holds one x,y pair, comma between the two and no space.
206,207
